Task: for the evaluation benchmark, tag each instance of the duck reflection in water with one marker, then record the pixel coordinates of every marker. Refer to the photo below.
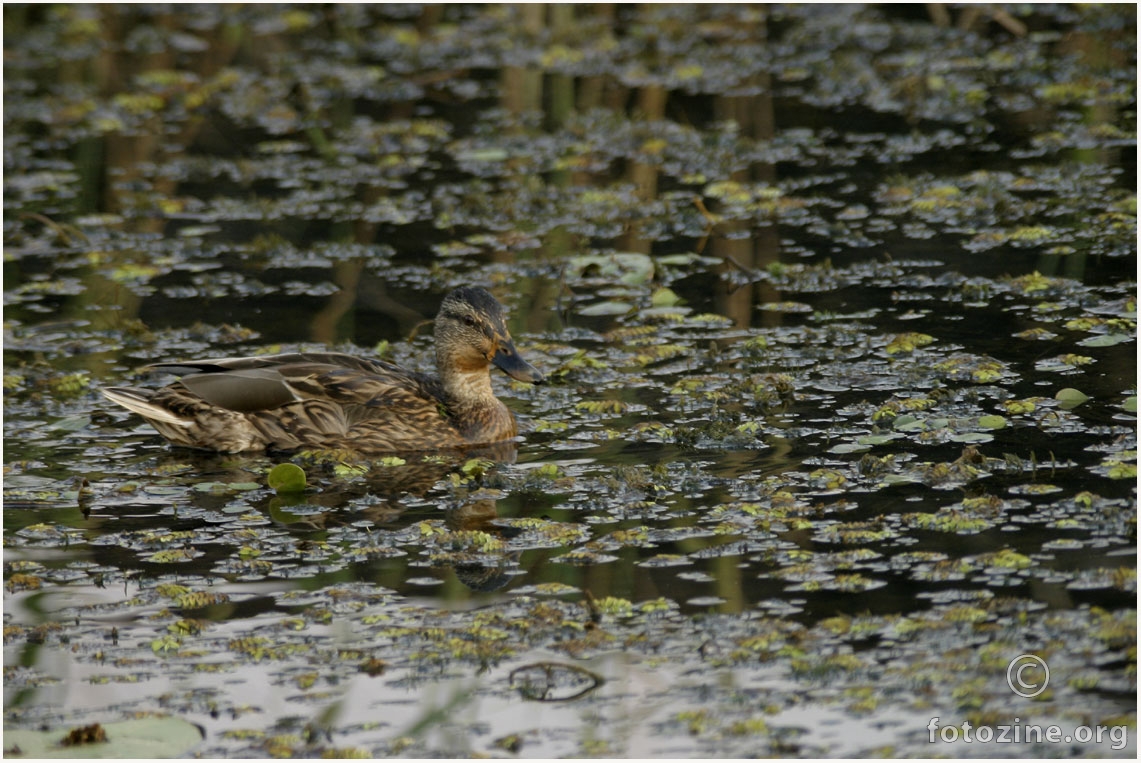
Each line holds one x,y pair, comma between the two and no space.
487,571
479,567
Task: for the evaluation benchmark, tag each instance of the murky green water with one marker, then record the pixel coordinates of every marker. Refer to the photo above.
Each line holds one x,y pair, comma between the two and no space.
818,292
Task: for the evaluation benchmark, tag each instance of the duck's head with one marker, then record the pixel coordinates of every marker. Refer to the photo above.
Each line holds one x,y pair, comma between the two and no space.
471,332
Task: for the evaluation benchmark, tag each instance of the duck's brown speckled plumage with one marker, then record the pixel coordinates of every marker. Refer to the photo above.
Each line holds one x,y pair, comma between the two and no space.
332,400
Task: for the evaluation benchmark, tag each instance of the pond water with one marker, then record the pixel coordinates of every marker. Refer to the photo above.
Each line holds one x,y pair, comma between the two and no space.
837,307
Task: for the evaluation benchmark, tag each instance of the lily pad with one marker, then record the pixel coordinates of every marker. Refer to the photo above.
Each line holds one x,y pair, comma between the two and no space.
610,307
630,268
664,298
850,447
138,738
971,437
1105,340
287,478
1069,398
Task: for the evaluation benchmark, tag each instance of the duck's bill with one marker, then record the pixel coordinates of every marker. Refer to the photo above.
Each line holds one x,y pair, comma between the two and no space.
507,360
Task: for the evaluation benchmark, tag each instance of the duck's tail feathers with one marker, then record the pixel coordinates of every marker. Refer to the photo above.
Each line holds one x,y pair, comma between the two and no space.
139,401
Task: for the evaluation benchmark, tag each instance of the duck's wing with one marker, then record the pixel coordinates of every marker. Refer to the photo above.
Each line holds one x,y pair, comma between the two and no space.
249,385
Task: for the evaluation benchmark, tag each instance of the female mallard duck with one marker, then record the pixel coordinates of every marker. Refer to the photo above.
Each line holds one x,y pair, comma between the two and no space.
332,400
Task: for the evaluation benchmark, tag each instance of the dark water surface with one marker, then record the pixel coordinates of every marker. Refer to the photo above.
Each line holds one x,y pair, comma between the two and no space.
813,287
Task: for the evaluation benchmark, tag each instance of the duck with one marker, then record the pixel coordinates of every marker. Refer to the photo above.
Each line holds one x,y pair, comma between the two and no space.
329,400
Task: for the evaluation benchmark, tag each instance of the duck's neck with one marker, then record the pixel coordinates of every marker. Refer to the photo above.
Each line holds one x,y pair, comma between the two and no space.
478,414
468,390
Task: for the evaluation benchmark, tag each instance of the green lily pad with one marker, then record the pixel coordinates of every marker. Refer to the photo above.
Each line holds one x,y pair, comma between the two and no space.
877,439
679,260
491,154
214,488
1105,340
909,423
631,268
664,297
287,478
72,423
137,738
849,447
1069,397
971,437
606,308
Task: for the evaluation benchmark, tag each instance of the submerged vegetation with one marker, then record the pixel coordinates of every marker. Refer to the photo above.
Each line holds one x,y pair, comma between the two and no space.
838,309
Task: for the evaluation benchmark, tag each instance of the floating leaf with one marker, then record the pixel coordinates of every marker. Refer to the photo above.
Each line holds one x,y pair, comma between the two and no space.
287,478
631,268
606,308
664,298
1105,340
878,439
72,423
1069,398
1015,407
1117,470
348,471
679,260
601,407
137,738
173,555
909,423
972,437
908,342
215,488
490,154
850,447
476,467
